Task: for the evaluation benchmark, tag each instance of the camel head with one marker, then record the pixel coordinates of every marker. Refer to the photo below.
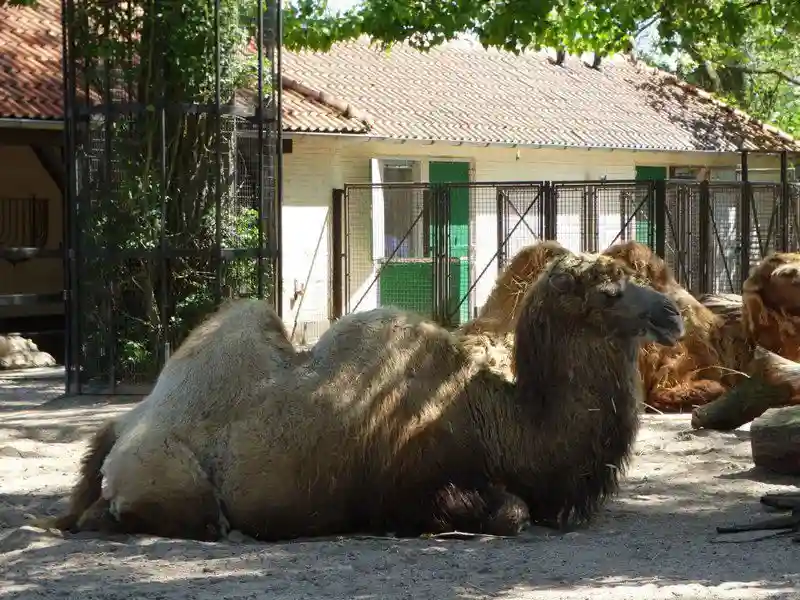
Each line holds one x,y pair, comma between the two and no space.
779,276
771,305
602,295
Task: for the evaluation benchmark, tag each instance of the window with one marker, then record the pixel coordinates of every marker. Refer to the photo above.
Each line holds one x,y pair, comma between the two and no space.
403,205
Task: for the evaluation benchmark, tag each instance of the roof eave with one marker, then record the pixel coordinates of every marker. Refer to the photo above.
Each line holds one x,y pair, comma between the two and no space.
31,123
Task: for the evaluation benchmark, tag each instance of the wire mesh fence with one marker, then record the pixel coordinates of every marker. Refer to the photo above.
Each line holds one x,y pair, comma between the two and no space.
699,227
173,180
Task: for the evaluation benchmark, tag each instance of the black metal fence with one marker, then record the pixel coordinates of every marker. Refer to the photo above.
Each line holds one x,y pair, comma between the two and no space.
173,147
414,245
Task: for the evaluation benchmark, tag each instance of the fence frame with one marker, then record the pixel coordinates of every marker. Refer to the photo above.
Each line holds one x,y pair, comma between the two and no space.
84,107
662,235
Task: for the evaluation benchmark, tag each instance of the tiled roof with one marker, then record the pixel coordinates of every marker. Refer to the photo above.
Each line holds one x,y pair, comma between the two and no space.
462,92
304,111
31,77
30,61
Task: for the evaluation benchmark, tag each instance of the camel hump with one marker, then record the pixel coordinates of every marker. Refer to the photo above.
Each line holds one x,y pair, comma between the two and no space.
88,489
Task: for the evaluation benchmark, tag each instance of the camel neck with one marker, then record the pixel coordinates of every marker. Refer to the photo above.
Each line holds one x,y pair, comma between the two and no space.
576,402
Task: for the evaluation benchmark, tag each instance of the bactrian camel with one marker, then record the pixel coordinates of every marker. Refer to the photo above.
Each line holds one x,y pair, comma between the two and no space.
387,425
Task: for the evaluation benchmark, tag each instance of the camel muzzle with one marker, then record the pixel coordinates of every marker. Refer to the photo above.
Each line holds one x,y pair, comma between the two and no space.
666,323
661,317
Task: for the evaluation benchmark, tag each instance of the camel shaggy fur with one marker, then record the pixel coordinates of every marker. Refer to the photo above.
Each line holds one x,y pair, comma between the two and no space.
771,305
387,424
489,337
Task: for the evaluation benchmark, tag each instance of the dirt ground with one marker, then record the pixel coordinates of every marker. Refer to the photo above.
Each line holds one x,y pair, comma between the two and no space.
655,541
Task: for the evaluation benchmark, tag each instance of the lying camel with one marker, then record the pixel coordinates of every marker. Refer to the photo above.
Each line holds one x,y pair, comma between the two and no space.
768,311
386,425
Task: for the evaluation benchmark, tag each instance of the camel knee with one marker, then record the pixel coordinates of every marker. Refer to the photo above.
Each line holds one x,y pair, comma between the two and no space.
493,510
192,519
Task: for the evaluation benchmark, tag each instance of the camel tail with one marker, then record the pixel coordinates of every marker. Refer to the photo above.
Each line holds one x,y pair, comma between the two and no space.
88,489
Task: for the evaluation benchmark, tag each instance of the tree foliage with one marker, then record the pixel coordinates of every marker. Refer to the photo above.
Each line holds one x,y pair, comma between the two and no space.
159,174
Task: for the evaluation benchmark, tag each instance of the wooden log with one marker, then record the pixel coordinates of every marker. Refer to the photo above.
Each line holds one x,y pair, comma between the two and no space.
741,404
777,370
775,440
773,382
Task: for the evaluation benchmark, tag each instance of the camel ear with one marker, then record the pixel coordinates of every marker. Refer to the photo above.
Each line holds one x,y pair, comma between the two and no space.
562,282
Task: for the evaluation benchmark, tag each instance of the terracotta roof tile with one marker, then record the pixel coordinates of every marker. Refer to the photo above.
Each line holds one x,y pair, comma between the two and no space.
302,113
462,92
31,77
30,61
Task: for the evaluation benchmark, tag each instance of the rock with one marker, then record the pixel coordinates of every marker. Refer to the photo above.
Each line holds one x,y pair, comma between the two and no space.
20,353
775,440
236,537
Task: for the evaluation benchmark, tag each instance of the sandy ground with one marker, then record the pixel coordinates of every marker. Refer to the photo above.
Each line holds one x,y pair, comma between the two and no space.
657,540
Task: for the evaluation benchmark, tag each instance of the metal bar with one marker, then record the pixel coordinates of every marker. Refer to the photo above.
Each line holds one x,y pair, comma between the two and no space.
217,156
447,275
260,124
109,293
551,211
783,243
660,216
501,225
71,325
703,239
346,220
162,245
744,222
337,253
277,256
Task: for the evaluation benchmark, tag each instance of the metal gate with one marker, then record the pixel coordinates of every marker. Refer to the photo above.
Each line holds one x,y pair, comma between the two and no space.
397,237
395,247
174,168
591,216
710,224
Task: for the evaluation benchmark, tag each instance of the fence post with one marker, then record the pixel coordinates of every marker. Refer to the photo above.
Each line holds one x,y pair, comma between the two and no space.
784,205
704,247
744,222
549,208
440,263
501,234
659,222
445,274
338,254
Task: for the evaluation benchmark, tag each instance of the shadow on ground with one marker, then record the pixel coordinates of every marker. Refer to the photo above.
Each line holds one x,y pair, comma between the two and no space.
646,551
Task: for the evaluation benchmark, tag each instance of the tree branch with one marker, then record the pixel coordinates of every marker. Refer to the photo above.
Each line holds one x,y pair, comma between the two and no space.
783,76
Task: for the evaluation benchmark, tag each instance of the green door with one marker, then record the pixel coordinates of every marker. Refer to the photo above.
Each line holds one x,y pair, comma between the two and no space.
647,174
456,172
651,173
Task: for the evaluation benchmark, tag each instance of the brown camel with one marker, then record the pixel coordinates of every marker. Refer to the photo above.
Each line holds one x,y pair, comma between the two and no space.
702,366
387,424
769,308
